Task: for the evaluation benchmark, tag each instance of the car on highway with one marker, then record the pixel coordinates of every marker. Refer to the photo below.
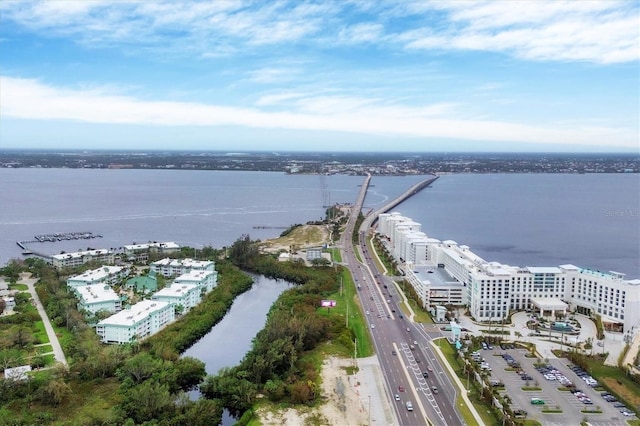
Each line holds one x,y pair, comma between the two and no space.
434,389
373,326
409,406
397,397
429,368
408,329
425,374
394,353
401,388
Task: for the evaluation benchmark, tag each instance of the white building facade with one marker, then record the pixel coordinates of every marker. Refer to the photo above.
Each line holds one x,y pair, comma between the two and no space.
174,267
491,289
104,275
136,322
71,260
97,297
204,280
185,295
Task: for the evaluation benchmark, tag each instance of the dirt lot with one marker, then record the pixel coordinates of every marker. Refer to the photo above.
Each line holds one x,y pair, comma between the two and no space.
300,238
342,404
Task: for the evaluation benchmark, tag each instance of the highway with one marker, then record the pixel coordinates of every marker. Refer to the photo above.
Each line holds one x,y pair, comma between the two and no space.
412,372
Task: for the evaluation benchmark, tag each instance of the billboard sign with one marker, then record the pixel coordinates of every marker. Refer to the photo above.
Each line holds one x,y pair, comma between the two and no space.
328,303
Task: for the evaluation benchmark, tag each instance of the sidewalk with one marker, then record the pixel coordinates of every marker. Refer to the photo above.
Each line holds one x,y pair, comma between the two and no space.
53,339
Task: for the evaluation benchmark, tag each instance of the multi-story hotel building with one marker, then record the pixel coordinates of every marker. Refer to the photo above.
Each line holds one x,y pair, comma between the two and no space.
71,260
174,267
97,297
443,272
103,275
136,322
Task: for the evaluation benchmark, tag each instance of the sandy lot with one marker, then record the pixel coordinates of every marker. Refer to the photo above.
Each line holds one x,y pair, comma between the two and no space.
342,406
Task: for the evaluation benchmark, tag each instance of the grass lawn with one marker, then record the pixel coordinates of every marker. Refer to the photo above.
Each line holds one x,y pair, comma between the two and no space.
335,254
615,379
40,333
483,409
19,287
531,388
357,322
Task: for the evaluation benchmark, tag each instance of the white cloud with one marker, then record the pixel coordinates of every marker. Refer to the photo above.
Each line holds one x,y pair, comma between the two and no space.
30,99
604,32
594,31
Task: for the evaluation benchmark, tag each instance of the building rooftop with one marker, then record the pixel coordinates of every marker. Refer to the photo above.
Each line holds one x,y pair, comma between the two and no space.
145,283
97,274
81,254
543,270
131,315
438,277
166,245
175,290
97,293
194,276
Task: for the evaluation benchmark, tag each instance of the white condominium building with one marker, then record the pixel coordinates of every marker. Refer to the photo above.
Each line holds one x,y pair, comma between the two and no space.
97,297
135,322
174,267
167,247
103,275
441,271
185,295
71,260
204,280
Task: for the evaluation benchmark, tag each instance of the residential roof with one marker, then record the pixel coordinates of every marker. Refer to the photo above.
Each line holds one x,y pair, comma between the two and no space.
143,283
97,293
175,290
132,315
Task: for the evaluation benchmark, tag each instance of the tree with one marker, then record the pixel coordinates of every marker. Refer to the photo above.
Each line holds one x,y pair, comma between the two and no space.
320,261
188,373
3,305
147,401
140,368
55,392
243,251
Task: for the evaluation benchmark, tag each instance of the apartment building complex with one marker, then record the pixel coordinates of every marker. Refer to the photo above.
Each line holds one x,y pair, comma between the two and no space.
71,260
185,295
174,267
140,252
103,275
444,272
135,322
97,297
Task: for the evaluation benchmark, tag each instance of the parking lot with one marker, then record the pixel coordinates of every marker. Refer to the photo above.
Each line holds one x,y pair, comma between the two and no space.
548,378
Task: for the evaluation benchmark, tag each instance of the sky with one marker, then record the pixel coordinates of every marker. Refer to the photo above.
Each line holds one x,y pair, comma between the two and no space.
332,75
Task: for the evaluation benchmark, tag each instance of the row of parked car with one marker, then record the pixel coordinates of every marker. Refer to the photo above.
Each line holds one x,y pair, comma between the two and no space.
617,404
550,373
586,377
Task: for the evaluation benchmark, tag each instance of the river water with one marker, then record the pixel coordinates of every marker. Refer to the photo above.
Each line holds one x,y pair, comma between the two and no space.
590,220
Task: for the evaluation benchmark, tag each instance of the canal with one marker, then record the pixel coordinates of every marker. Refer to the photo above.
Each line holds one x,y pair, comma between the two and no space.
228,342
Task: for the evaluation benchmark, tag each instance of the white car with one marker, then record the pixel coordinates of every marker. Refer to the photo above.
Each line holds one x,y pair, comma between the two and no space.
397,397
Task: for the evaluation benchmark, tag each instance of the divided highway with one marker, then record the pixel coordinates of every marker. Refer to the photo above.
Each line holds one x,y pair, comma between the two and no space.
412,372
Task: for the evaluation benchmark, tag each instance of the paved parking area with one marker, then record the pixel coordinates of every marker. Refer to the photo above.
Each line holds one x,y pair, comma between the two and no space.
568,402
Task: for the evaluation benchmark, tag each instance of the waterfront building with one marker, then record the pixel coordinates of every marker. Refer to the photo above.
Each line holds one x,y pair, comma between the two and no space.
135,322
104,275
140,252
174,267
97,297
204,280
185,295
444,272
71,260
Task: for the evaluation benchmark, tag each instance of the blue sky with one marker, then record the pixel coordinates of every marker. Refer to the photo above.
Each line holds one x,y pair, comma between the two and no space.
329,75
